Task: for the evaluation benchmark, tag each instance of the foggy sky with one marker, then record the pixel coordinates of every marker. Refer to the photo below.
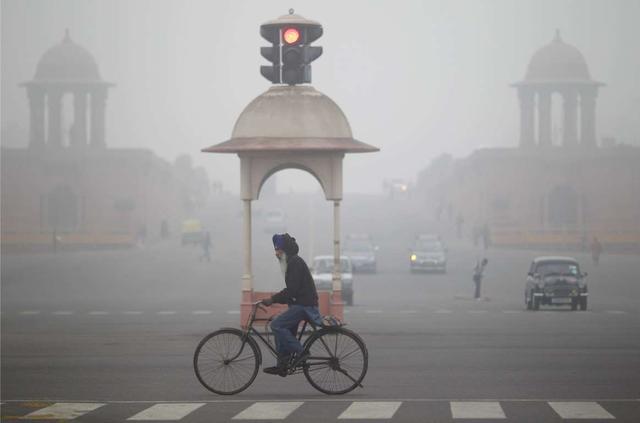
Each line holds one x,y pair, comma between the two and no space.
415,78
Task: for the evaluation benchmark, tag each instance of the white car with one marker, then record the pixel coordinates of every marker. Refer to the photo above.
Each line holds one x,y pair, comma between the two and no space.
322,272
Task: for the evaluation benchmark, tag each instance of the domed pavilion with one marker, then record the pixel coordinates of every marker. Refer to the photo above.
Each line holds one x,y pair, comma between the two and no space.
67,68
558,68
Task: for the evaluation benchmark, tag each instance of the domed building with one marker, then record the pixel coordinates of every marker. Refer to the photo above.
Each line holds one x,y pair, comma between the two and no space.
67,184
546,193
67,69
558,68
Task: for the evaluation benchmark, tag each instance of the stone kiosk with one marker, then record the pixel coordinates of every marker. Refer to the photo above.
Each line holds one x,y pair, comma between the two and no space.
291,127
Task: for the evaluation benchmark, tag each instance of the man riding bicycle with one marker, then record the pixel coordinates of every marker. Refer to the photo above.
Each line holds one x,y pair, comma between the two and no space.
302,298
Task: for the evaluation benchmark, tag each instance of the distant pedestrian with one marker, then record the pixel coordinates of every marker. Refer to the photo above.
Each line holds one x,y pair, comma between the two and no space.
596,250
206,244
477,276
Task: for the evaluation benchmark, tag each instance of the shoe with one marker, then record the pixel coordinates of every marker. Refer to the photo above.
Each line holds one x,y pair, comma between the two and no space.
276,370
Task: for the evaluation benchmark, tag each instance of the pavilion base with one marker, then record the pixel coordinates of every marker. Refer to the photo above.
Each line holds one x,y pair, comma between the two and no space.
328,303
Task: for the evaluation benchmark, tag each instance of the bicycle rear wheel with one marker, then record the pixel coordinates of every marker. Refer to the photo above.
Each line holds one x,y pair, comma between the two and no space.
224,364
338,361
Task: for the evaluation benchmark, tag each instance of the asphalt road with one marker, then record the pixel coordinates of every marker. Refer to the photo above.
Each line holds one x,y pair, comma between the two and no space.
115,331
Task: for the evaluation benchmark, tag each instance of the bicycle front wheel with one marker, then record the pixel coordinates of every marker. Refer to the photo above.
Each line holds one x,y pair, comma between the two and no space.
226,363
338,361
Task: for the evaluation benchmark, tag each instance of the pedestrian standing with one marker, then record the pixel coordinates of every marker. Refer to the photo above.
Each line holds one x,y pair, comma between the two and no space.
596,250
477,276
206,244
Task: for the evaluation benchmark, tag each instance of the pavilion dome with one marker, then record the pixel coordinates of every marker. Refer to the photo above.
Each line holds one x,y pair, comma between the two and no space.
557,62
67,62
292,112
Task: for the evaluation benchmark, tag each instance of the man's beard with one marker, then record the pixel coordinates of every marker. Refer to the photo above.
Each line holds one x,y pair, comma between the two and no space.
283,264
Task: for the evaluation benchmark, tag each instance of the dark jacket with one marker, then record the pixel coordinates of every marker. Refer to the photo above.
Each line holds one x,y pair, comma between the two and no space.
300,288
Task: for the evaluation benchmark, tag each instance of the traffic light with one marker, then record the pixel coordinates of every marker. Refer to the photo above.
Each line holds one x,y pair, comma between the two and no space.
291,53
272,54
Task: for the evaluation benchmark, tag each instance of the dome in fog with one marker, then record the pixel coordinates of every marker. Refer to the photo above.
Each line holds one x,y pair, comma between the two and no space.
292,118
557,62
67,62
292,111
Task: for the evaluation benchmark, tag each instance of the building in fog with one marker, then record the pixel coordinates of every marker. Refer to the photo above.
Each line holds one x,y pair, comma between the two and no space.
558,187
67,181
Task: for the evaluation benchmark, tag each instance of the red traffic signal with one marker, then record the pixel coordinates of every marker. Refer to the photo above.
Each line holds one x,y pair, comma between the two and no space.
290,35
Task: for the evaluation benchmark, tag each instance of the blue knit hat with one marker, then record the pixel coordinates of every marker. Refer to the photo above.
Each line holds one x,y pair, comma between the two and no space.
278,241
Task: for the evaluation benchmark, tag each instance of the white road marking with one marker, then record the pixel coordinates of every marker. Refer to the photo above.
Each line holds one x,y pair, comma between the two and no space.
268,411
370,410
167,411
443,311
63,411
346,311
476,311
477,410
580,410
98,313
408,311
511,311
233,312
133,312
201,312
616,312
63,313
30,312
373,311
166,313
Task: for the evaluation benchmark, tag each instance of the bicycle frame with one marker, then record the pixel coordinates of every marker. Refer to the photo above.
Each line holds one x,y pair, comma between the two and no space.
250,331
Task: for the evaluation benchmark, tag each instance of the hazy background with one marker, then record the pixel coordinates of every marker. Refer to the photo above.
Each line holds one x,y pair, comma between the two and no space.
415,78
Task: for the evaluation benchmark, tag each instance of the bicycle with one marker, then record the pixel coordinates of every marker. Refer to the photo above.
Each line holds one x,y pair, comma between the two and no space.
227,361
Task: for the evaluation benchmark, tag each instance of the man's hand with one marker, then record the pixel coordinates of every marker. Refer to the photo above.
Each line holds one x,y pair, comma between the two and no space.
267,301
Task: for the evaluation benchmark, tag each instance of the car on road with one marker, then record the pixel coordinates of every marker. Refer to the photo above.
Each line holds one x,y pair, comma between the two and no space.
428,254
322,272
555,281
362,252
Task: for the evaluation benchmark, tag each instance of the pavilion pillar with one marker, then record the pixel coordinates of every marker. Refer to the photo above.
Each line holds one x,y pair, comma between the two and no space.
54,109
526,97
544,118
336,307
247,275
588,117
569,135
79,129
98,105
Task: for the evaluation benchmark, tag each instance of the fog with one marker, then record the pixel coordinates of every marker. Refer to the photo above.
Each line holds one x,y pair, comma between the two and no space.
471,209
415,78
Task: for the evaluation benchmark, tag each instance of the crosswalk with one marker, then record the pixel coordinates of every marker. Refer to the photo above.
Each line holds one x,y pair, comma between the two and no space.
240,410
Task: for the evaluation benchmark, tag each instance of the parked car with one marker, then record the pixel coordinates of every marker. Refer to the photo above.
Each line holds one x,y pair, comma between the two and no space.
192,232
428,254
362,252
275,221
555,281
322,272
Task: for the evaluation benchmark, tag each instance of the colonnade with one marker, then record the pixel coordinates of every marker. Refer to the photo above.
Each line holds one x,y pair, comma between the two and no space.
45,104
536,101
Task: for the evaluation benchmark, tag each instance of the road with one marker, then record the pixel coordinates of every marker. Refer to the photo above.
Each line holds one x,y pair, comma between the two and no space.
113,332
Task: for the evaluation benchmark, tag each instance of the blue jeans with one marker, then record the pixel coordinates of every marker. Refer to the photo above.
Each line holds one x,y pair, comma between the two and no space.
285,327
